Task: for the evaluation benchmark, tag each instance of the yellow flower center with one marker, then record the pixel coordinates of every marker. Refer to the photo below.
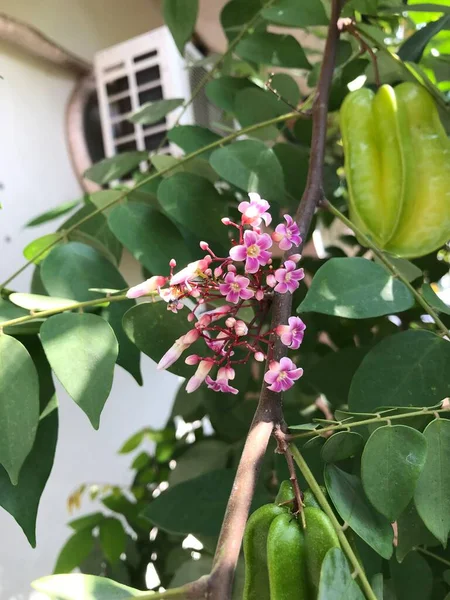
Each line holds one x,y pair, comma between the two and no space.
253,251
287,277
282,375
235,287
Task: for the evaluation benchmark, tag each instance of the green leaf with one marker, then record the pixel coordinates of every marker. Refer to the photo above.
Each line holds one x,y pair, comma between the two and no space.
342,445
294,14
115,167
222,91
254,105
154,330
415,367
84,587
202,457
412,49
391,464
197,166
152,112
432,496
133,442
38,302
355,288
180,17
37,247
112,538
348,497
192,137
197,506
187,405
405,267
82,350
412,532
294,162
19,405
251,166
336,581
149,235
89,521
104,198
74,551
286,87
237,14
433,299
9,311
53,213
413,578
278,50
194,203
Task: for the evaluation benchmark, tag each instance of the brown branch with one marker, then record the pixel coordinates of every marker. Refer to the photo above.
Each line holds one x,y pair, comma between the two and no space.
283,448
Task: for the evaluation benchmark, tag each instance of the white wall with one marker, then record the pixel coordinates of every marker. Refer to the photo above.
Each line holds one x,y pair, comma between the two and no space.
36,174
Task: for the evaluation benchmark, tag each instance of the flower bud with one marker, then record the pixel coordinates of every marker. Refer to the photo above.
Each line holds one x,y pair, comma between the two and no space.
230,322
192,359
226,221
172,263
191,336
295,257
259,356
240,328
259,295
231,268
202,371
218,271
271,281
204,245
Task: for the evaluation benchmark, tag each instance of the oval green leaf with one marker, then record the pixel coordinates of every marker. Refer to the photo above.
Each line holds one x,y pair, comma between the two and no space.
115,167
53,213
38,249
413,578
336,581
152,112
192,137
112,539
355,288
278,50
392,461
180,17
296,14
78,586
39,302
82,350
342,445
75,551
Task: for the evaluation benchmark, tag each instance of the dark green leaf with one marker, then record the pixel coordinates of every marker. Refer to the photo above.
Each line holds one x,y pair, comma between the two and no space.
415,367
36,250
278,50
413,578
412,532
251,166
169,165
294,162
82,350
115,167
187,405
84,587
377,585
112,538
237,14
89,521
154,330
180,17
19,405
254,105
355,288
75,550
105,199
222,91
405,267
149,235
286,87
392,461
152,112
196,205
433,299
192,137
342,445
53,213
432,496
336,581
296,14
348,497
197,506
413,48
202,457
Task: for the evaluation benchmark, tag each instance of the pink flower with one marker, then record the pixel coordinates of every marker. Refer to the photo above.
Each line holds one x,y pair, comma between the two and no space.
235,288
292,335
146,287
221,383
175,351
287,235
255,211
288,277
281,375
217,344
192,271
202,371
253,251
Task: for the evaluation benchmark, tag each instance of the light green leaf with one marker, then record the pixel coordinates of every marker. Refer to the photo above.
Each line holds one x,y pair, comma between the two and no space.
413,578
433,299
336,581
251,166
392,461
432,496
342,445
38,302
89,521
222,91
104,198
75,551
115,167
37,248
348,497
412,532
19,405
192,137
415,367
112,538
197,166
236,15
202,457
154,330
149,235
53,213
355,288
180,17
152,112
84,587
287,88
278,50
82,350
294,14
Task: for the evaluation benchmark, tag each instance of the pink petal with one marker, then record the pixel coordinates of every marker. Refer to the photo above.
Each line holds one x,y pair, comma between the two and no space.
247,294
281,288
250,238
233,297
238,253
264,257
295,374
251,264
270,376
285,244
265,241
243,206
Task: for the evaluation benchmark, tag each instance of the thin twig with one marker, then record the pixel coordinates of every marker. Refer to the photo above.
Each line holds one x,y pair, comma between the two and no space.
432,555
365,47
391,267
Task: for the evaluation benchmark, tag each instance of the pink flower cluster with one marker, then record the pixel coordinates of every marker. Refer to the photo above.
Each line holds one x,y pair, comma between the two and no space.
220,288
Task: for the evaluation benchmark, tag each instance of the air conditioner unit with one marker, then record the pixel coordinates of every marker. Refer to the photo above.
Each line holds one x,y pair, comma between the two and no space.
145,69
